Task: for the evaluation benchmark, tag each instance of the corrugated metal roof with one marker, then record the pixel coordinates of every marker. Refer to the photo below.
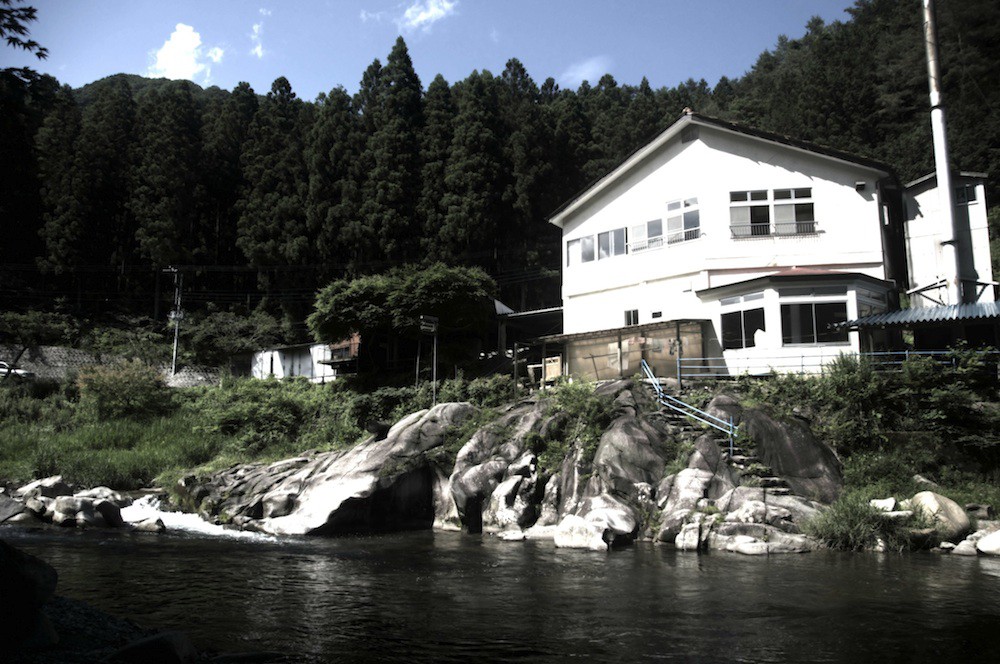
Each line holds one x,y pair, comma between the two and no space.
977,311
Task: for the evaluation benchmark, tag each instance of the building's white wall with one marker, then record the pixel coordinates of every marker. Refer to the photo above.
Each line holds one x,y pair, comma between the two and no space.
298,361
596,294
926,227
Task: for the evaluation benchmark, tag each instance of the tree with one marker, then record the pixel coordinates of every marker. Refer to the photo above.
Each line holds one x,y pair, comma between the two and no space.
14,30
34,328
165,194
331,156
56,145
474,177
272,225
392,187
435,144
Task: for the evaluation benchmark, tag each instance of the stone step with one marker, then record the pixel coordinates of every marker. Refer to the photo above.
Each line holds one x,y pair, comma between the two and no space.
779,491
773,482
742,459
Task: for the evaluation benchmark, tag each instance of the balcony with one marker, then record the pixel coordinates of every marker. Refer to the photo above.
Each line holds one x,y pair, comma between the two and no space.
780,228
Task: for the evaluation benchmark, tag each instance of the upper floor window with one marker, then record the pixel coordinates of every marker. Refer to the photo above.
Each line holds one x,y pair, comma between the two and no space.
580,250
646,236
611,243
683,221
751,214
793,211
631,317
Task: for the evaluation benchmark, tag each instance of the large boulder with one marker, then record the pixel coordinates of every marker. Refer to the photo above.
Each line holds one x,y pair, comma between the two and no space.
575,532
384,483
10,508
949,518
810,467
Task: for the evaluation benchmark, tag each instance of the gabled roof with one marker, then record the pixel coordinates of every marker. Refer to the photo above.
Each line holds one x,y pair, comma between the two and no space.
932,177
688,119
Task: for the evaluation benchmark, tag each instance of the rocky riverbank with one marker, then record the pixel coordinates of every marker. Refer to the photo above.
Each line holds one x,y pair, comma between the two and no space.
649,475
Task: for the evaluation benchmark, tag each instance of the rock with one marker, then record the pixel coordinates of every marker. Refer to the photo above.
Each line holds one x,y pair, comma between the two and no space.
616,519
989,544
974,510
48,487
920,480
150,525
378,485
693,536
162,648
884,504
965,548
575,532
799,509
948,517
514,535
810,467
549,512
946,547
26,584
671,525
41,507
86,512
9,508
104,493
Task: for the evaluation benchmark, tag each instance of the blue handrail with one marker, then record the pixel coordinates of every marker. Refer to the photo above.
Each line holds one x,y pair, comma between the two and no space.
686,409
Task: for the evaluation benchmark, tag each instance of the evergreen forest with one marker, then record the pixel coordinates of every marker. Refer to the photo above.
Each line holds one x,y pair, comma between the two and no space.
257,199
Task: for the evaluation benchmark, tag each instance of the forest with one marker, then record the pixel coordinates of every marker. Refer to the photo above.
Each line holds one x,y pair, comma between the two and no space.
258,199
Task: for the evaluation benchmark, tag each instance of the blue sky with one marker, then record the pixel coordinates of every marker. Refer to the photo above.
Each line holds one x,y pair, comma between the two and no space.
320,44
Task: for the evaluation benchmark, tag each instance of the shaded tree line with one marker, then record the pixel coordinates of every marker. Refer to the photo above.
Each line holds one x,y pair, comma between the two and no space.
263,199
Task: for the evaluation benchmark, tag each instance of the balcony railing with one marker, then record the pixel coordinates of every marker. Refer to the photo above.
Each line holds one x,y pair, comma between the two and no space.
637,246
782,228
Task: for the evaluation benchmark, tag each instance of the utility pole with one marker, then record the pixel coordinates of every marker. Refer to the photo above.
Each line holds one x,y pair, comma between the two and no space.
946,195
176,315
429,325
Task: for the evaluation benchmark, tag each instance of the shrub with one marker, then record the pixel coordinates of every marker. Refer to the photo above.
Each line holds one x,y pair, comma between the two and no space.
129,390
852,524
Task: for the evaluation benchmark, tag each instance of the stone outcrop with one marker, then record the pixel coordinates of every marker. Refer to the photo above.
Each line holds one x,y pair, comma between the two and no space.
789,447
390,483
51,500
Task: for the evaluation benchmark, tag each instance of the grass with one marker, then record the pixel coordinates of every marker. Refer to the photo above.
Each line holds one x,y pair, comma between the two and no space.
852,524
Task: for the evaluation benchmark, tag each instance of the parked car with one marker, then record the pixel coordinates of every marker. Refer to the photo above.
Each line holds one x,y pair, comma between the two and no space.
17,374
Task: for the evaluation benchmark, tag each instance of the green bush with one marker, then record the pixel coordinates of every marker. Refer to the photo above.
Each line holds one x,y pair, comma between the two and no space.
852,524
130,390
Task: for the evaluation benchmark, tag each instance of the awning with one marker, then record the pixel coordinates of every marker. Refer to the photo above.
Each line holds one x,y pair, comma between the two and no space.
977,312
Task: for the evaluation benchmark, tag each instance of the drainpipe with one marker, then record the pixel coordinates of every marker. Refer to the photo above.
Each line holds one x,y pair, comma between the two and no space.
946,195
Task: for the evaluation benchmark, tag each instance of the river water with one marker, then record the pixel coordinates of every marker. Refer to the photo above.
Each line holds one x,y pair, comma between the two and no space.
451,597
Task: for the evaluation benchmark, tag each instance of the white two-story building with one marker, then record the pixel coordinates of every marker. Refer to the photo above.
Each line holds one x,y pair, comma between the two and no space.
741,248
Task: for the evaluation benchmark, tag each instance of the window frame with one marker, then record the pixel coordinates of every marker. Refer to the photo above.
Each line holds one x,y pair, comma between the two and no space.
684,214
778,212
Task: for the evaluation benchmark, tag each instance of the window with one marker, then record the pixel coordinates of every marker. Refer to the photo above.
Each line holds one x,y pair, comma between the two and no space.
683,221
631,317
808,322
580,251
751,214
611,243
965,194
794,213
739,327
646,236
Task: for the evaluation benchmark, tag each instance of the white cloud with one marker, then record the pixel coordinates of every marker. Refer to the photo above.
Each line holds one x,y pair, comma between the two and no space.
422,14
182,56
255,39
372,16
264,12
589,70
495,36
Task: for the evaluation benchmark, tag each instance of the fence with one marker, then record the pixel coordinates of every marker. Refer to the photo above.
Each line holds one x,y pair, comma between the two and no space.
720,367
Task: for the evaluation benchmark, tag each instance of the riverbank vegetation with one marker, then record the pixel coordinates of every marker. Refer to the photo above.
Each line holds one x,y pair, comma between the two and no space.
122,427
922,424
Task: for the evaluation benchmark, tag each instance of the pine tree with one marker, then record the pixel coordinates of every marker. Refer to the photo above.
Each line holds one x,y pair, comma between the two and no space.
56,145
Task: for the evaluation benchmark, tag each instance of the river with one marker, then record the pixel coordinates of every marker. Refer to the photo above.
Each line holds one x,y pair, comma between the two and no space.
451,597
